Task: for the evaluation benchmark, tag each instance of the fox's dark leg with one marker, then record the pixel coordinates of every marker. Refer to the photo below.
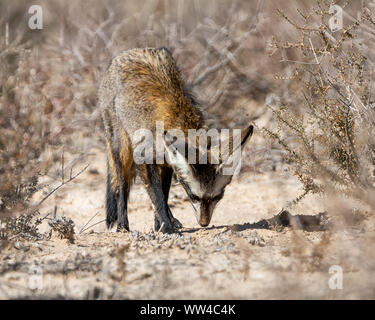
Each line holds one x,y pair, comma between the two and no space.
111,201
166,185
122,218
122,197
151,176
117,184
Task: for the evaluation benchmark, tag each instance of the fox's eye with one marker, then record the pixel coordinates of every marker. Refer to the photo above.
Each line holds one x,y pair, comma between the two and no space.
194,198
218,197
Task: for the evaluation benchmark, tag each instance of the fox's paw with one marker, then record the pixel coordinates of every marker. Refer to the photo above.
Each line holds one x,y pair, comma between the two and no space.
122,228
176,224
168,228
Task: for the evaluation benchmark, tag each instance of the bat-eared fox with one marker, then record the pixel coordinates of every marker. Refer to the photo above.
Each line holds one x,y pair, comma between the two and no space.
140,88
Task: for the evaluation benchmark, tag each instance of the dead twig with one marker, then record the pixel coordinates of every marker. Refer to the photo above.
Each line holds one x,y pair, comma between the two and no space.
93,225
88,222
71,178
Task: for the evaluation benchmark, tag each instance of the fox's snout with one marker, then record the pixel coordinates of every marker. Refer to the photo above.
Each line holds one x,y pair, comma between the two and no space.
205,214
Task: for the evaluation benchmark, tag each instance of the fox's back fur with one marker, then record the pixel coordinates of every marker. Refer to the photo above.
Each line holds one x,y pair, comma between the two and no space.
142,86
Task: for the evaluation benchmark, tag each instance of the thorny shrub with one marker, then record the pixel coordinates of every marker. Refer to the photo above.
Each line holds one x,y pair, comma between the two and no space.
22,227
326,126
64,227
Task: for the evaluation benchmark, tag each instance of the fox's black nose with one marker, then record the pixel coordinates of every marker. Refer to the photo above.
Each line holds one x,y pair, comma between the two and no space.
203,223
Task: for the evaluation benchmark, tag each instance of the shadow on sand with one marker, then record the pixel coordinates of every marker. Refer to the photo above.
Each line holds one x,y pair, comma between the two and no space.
283,219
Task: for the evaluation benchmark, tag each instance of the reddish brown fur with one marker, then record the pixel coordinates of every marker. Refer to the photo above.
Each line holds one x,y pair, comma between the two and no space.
153,82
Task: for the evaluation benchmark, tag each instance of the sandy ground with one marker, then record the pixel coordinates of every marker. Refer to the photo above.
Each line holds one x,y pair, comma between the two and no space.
233,258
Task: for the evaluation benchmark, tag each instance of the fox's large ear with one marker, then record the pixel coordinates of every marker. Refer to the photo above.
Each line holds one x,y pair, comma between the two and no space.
232,158
246,135
175,156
